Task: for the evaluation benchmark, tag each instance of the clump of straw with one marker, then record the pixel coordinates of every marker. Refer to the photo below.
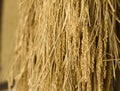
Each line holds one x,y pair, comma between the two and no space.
66,45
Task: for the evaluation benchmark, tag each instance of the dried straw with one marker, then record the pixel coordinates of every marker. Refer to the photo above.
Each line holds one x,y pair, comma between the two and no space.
66,45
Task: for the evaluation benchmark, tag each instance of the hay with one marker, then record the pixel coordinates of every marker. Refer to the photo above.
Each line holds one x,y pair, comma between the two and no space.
66,45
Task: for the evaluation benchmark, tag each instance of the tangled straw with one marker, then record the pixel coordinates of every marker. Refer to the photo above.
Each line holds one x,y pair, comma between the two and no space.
66,45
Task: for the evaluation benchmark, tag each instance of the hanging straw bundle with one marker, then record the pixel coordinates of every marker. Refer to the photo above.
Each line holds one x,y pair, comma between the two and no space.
66,45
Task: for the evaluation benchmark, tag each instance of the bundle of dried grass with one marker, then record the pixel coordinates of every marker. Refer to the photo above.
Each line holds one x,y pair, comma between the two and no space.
66,45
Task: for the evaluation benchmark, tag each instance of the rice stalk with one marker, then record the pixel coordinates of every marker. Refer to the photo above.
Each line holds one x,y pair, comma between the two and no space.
66,45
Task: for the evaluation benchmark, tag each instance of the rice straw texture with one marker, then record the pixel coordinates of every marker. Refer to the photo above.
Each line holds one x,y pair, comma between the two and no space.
66,45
